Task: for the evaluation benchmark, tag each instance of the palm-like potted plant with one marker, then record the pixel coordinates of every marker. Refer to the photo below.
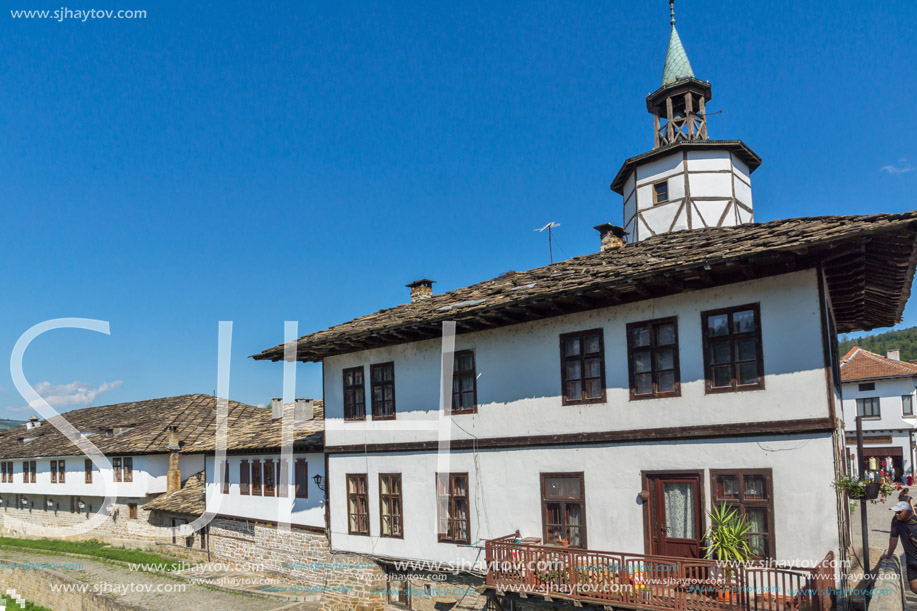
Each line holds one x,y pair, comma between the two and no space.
726,541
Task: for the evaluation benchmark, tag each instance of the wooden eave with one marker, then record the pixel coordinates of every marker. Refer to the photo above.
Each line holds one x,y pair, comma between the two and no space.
868,263
736,147
679,87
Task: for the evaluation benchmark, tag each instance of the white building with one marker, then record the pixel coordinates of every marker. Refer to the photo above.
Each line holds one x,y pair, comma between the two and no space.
608,401
881,390
47,481
260,483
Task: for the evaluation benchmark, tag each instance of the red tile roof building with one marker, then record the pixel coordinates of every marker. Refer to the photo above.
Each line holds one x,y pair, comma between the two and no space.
861,364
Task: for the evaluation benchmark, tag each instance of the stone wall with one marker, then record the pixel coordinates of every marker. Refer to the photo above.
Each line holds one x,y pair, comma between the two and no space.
888,587
36,519
35,587
341,581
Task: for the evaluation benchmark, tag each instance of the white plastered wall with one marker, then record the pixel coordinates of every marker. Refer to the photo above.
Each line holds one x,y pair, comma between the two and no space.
505,493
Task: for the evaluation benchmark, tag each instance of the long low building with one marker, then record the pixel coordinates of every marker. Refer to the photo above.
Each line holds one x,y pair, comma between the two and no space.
48,484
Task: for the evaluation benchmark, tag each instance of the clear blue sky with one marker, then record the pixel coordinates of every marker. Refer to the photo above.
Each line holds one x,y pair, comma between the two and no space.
304,161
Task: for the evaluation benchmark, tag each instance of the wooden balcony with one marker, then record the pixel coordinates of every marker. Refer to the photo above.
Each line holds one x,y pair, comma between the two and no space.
661,583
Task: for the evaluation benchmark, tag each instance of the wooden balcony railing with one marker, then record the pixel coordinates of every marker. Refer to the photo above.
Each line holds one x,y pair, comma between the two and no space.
660,583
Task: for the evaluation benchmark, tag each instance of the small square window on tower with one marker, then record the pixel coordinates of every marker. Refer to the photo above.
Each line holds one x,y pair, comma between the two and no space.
661,192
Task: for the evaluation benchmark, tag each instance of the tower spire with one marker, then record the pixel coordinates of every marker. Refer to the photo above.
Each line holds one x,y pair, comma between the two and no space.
672,12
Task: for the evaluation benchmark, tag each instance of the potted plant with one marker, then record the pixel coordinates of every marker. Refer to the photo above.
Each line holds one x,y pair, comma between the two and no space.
856,488
726,542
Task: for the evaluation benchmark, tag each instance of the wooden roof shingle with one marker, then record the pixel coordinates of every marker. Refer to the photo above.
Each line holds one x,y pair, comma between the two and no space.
260,432
137,427
189,499
868,262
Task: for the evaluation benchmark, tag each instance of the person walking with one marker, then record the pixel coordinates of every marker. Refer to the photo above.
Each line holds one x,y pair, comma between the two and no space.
904,527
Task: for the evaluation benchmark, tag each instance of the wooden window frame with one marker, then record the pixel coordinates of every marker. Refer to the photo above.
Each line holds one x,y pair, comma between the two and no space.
877,415
732,338
404,592
446,503
116,468
357,415
53,471
357,496
270,484
87,471
3,472
474,383
909,411
127,464
33,471
132,511
61,471
224,471
652,348
256,477
372,391
245,475
581,501
744,504
301,486
391,497
668,194
283,478
582,357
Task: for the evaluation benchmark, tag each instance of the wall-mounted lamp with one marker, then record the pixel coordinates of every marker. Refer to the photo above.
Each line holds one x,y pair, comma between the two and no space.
25,501
318,482
81,505
50,503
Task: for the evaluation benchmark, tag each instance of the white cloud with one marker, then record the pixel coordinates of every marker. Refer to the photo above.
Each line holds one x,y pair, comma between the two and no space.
904,166
76,393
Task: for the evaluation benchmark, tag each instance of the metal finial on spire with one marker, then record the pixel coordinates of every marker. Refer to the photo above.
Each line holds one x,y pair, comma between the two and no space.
672,11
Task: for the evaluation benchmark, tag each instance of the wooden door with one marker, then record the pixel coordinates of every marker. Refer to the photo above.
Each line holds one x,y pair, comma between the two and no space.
675,524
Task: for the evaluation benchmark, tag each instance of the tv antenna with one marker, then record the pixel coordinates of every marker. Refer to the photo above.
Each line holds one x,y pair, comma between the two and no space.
549,226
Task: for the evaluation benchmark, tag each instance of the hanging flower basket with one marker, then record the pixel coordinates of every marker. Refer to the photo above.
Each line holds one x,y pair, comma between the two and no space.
859,489
870,492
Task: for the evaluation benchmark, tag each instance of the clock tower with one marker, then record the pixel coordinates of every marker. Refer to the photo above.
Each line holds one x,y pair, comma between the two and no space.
687,181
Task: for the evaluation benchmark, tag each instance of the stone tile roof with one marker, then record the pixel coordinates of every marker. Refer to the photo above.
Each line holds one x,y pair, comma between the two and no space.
868,262
189,499
138,427
861,364
259,432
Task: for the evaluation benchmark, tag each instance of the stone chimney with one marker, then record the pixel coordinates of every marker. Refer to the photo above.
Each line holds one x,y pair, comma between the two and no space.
174,444
303,410
612,236
893,355
33,422
173,475
421,289
276,408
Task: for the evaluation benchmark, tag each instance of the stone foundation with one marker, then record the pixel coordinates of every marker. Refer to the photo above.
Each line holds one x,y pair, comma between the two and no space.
35,587
341,581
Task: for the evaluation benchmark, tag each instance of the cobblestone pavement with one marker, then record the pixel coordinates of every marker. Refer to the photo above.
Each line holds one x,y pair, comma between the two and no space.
879,519
116,580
